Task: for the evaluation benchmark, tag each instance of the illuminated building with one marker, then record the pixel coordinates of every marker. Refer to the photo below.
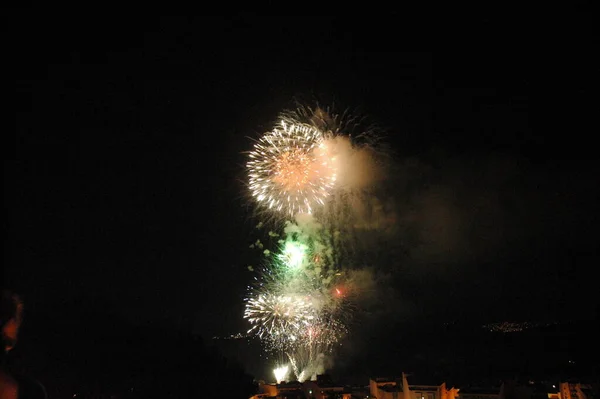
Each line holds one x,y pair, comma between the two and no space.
401,388
321,388
575,391
290,390
409,387
325,388
385,388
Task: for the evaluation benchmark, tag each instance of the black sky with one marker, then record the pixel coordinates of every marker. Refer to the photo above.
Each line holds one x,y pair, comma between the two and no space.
124,177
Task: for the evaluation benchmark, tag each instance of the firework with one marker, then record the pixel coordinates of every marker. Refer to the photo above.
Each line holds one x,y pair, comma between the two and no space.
309,169
296,311
290,169
299,305
294,254
278,315
280,373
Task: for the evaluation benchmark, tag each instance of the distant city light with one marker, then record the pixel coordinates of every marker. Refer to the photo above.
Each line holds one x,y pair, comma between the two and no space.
509,327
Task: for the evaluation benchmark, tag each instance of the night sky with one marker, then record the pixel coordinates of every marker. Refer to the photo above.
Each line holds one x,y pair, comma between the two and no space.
124,178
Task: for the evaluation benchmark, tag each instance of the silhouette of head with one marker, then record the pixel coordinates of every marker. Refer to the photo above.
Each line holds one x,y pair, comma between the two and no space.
11,313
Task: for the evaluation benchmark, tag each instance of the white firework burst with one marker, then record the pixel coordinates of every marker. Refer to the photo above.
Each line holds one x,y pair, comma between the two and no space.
279,316
291,169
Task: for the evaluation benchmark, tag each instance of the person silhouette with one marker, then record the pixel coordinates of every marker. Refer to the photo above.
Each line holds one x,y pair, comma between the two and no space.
14,385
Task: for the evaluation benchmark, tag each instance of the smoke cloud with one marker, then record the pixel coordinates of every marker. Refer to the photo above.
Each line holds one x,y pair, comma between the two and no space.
358,168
